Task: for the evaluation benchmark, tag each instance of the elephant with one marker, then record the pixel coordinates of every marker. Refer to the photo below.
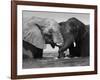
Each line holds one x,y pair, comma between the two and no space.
41,31
36,31
75,38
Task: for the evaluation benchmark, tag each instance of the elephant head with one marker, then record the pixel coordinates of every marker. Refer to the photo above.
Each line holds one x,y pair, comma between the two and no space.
40,31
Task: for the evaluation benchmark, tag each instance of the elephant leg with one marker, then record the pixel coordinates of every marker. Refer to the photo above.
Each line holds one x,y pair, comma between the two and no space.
36,52
26,45
81,49
77,49
61,54
72,51
85,46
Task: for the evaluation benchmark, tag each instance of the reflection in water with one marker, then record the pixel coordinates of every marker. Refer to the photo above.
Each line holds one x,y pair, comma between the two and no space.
50,61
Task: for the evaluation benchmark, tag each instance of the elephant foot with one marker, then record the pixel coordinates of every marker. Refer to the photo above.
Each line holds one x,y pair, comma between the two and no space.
72,56
37,53
38,56
61,55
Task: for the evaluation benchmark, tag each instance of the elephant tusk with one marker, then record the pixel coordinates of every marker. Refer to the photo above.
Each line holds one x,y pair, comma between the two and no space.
74,44
59,44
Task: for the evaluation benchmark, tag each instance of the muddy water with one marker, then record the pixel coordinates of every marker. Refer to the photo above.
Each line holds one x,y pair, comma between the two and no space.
50,61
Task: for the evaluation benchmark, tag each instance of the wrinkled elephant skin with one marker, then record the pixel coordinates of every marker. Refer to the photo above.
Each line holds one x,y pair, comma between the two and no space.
35,32
72,31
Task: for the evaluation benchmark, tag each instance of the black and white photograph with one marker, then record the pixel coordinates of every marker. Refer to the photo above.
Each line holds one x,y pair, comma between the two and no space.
55,39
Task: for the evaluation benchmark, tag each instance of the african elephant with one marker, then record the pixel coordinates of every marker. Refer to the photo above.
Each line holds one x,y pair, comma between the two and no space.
75,36
35,33
74,31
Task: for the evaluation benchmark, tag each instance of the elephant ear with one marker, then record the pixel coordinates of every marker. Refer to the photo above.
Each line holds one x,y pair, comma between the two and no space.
33,35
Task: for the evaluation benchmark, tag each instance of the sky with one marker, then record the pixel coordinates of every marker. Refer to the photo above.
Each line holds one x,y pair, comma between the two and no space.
59,17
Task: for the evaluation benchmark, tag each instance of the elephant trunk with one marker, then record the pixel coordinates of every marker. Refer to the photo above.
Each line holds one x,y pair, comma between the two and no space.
67,42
